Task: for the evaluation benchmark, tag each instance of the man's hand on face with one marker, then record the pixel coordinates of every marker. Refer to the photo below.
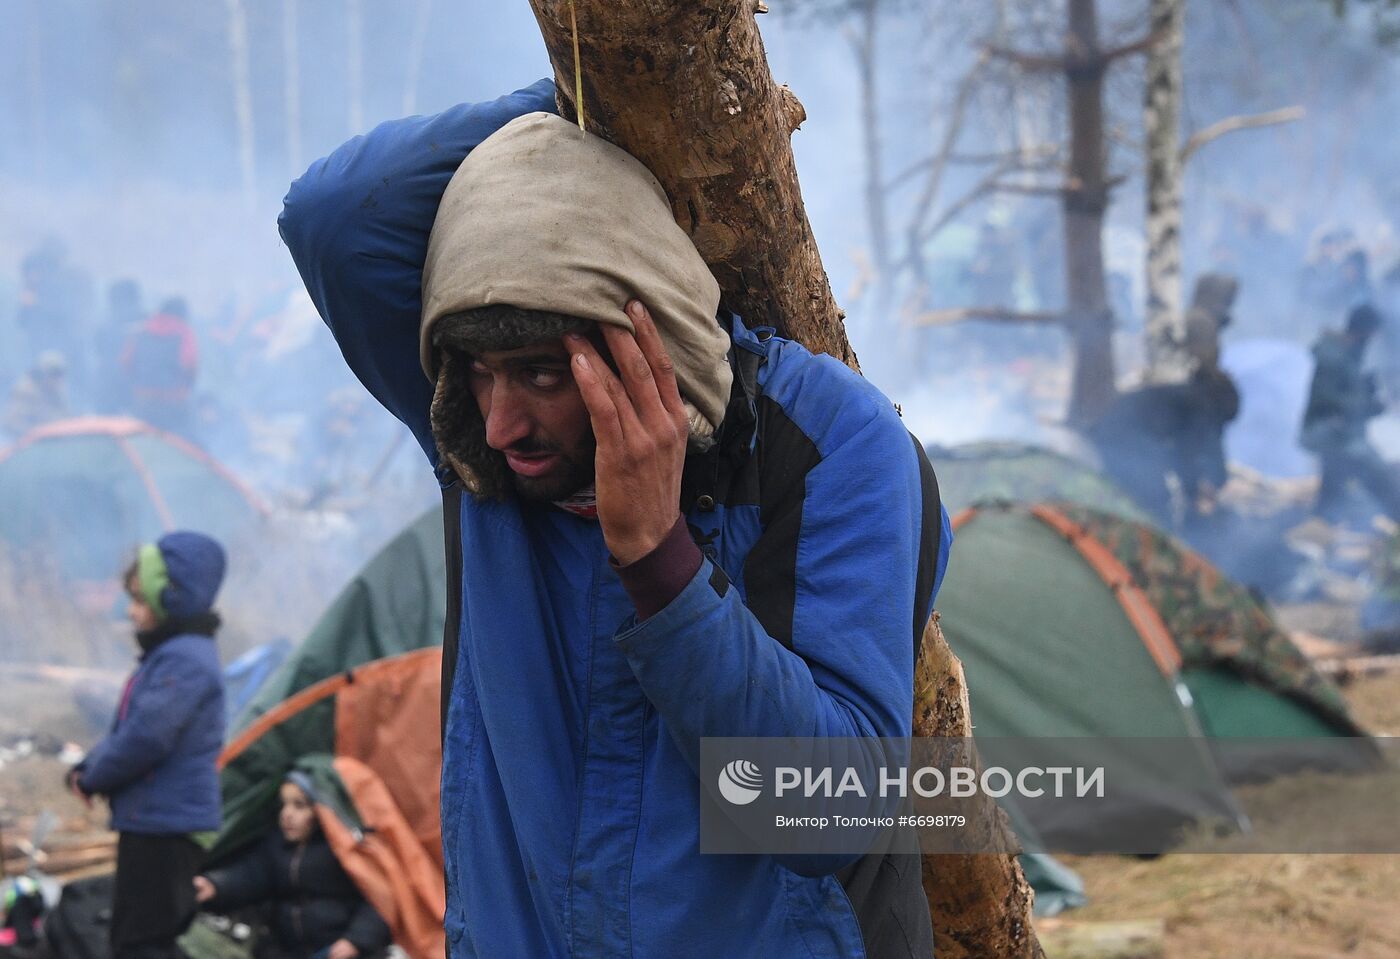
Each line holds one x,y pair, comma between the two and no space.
641,428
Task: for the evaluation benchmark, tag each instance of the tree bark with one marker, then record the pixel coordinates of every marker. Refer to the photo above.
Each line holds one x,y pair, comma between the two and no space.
684,86
1167,361
1085,202
981,904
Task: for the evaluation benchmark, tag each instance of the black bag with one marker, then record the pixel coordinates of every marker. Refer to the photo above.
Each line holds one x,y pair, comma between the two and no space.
77,928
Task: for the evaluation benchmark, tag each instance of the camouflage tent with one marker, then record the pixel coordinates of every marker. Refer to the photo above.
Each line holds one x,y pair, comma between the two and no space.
1071,622
1014,472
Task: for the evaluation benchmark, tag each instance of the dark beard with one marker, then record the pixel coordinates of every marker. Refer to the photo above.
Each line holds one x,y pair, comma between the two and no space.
574,476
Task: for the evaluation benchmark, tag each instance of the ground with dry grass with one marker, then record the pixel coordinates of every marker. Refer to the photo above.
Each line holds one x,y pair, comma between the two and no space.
1263,906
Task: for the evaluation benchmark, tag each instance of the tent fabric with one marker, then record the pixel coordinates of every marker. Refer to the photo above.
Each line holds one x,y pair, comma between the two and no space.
308,722
356,705
86,490
974,473
1074,623
1057,887
368,738
389,862
1049,650
246,674
395,604
1214,621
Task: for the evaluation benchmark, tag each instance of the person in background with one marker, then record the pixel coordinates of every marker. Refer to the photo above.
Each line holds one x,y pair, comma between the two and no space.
1342,400
55,307
1164,443
157,765
161,361
124,317
39,396
317,911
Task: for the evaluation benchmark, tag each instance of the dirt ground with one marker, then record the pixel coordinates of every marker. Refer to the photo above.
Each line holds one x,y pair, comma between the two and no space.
1263,906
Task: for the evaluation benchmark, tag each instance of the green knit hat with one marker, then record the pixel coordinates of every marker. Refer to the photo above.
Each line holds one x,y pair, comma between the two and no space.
152,577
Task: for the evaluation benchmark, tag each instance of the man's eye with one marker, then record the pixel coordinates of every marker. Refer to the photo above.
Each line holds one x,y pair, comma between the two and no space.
545,378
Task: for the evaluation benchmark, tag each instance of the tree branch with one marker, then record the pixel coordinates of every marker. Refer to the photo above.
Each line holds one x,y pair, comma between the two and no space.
1030,158
1140,45
988,314
1035,62
1245,122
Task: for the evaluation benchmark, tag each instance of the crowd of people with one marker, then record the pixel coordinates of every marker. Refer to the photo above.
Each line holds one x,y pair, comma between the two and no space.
251,382
120,359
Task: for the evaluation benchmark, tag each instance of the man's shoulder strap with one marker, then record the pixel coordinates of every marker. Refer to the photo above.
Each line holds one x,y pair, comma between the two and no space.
452,625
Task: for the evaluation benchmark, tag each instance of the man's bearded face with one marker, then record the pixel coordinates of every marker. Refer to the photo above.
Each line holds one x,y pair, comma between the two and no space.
536,417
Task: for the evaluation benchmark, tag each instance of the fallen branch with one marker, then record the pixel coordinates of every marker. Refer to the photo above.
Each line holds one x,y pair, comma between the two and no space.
1078,939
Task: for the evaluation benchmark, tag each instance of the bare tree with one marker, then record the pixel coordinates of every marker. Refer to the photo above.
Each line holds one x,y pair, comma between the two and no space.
291,84
243,98
1167,361
1085,191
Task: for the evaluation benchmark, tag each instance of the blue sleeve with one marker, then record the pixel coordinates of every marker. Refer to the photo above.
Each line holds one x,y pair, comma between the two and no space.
168,694
711,670
357,225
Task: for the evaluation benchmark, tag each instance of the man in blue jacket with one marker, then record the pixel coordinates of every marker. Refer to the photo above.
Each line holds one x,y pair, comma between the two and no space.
661,526
157,767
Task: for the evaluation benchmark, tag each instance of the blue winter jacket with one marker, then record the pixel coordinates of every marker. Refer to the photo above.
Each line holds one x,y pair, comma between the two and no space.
157,766
570,803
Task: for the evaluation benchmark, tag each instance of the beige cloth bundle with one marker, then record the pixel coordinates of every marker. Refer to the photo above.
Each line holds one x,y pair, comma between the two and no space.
544,216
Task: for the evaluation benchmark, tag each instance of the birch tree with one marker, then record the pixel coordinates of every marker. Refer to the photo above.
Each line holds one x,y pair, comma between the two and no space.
243,98
1167,361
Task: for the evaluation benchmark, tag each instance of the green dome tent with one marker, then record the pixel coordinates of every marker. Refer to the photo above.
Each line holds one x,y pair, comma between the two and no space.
393,606
1014,472
1071,622
86,491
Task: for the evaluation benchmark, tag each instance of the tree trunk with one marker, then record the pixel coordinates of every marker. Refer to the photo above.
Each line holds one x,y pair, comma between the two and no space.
34,86
355,65
864,44
1166,359
981,904
291,85
242,98
684,86
1085,202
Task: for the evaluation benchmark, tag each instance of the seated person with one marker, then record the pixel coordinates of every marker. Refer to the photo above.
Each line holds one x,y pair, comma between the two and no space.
317,909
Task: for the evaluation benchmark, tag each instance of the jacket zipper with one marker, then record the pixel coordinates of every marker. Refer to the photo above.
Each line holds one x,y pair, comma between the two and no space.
295,871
